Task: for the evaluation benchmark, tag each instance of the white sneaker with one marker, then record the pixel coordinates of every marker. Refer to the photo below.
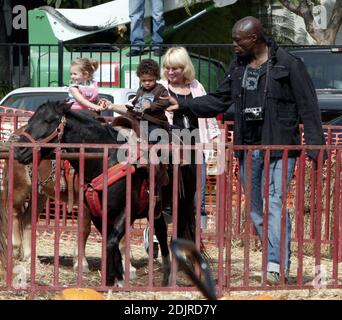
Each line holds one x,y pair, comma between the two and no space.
204,222
146,235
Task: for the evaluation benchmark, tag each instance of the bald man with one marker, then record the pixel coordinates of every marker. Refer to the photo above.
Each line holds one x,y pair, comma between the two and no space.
272,93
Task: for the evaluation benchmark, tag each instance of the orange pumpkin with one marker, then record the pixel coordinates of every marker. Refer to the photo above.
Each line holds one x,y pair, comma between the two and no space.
79,294
262,298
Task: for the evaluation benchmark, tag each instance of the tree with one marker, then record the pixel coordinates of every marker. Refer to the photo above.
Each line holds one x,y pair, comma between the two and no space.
305,9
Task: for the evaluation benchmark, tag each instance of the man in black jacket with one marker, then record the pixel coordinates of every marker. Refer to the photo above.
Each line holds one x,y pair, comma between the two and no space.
272,92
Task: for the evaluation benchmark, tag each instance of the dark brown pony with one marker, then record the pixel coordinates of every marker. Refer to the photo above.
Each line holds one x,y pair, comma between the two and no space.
54,122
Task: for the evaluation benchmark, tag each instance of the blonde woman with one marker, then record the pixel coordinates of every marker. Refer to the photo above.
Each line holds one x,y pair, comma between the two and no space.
179,80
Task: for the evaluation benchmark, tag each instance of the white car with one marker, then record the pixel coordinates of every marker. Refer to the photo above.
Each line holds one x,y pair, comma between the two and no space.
30,99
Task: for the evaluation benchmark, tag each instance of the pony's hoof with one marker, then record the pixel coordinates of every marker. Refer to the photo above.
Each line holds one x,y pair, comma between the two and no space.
132,273
17,253
85,267
119,283
166,281
26,258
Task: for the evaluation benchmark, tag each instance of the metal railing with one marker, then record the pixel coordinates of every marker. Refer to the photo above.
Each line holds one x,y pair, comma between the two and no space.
238,260
45,65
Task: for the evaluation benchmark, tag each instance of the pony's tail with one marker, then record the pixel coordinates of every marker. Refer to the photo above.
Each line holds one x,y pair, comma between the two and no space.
189,233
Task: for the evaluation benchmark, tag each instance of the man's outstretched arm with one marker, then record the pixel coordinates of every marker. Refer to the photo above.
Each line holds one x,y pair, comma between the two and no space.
209,105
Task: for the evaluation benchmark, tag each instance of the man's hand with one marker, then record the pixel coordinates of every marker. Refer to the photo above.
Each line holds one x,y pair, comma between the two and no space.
173,103
103,105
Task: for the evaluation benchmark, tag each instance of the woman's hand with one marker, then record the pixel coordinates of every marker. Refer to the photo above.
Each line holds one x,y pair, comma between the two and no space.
173,103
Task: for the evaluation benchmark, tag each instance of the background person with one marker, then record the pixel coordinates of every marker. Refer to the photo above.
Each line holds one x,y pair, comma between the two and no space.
136,14
272,93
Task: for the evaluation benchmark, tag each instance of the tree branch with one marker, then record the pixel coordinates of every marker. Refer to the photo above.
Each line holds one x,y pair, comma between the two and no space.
290,6
336,17
304,9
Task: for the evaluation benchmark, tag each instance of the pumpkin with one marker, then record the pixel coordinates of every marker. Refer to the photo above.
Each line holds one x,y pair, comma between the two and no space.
79,294
262,298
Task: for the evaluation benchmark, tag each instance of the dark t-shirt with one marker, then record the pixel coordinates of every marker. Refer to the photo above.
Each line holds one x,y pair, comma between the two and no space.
178,116
251,130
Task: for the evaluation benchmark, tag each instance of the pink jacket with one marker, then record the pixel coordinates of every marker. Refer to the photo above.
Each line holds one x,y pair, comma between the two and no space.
89,92
208,127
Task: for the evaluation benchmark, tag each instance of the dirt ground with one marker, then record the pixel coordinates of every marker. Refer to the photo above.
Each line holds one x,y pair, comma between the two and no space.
139,259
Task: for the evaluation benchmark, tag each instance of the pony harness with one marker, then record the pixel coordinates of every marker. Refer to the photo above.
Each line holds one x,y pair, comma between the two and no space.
114,174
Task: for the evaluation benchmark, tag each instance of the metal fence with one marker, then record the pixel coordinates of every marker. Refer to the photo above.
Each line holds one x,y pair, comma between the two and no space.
41,65
45,65
237,257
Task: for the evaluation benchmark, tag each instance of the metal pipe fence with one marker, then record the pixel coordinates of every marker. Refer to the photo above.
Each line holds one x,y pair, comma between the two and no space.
238,258
46,65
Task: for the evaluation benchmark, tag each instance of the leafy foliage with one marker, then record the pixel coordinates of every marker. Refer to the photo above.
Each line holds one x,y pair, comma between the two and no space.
188,3
4,88
283,29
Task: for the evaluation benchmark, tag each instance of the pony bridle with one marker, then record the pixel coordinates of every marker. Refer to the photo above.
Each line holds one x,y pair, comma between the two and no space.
58,132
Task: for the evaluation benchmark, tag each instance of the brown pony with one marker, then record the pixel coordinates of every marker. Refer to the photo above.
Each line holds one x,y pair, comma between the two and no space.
22,189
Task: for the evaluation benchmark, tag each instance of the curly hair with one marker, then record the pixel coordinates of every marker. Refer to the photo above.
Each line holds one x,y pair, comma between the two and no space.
150,67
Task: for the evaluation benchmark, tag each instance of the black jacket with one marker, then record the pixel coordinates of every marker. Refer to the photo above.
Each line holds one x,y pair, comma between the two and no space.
290,99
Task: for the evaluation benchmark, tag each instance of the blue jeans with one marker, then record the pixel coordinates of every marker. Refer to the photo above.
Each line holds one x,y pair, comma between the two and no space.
275,204
136,14
203,187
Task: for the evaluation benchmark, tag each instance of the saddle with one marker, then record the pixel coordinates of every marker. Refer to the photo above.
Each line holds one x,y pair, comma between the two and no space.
128,122
131,122
129,127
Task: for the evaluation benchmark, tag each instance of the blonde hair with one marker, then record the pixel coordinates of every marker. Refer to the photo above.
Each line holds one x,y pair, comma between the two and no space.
86,66
178,57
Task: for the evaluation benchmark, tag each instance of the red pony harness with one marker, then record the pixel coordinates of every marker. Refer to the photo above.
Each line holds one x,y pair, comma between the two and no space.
114,174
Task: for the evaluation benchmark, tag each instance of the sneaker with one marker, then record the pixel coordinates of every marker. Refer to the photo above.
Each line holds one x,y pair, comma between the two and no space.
204,222
273,278
204,218
158,52
146,235
134,53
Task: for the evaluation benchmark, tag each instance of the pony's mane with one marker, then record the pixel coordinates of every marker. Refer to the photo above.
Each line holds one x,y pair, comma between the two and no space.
83,116
88,118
